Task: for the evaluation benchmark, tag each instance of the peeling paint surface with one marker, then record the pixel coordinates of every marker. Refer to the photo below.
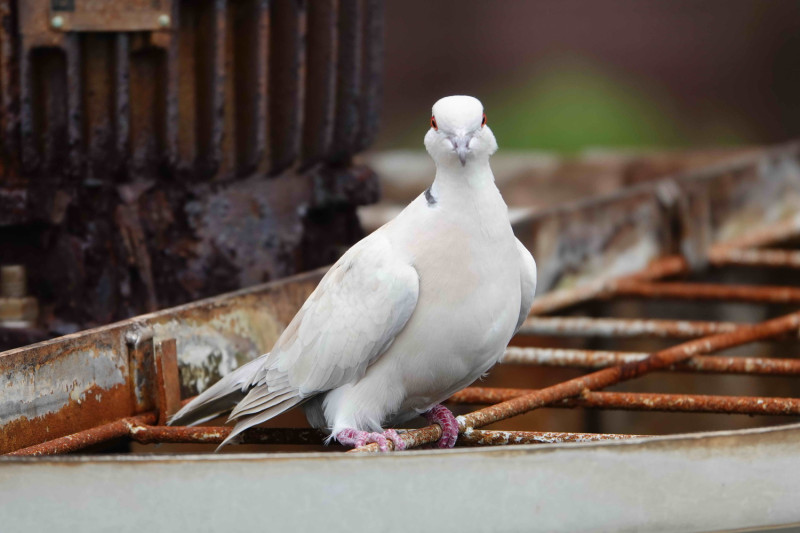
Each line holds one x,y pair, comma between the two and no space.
76,382
46,389
209,350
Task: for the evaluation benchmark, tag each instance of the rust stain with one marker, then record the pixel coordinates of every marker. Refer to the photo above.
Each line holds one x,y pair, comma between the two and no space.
98,407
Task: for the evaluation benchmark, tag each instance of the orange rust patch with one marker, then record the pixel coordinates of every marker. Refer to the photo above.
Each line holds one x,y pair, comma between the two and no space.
113,403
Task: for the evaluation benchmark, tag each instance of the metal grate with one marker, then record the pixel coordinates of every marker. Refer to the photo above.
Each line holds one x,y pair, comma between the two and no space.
123,380
156,364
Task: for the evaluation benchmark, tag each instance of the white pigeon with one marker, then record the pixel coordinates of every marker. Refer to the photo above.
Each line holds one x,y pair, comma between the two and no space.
408,316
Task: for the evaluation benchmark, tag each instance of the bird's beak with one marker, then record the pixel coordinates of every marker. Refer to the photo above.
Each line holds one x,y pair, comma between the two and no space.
461,147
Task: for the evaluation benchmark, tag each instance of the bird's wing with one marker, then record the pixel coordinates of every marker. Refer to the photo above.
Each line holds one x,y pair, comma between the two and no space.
527,278
351,318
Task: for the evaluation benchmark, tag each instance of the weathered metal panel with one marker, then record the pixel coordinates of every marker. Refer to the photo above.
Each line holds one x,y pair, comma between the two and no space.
612,235
110,15
699,482
76,382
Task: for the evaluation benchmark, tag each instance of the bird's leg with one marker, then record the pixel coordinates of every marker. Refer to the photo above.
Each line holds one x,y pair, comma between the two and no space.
441,415
356,438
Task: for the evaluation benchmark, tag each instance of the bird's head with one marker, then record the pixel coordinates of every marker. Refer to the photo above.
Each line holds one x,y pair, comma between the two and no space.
459,133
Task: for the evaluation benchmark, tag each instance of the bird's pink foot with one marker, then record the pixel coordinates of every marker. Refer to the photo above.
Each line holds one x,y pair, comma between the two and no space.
441,415
356,438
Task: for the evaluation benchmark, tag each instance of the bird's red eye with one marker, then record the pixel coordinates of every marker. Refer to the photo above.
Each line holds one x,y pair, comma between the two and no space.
483,122
433,124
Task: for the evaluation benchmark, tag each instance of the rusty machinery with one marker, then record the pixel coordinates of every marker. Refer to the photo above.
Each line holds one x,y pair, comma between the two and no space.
156,152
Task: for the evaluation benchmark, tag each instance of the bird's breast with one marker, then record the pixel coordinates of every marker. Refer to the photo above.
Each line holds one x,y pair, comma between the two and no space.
467,308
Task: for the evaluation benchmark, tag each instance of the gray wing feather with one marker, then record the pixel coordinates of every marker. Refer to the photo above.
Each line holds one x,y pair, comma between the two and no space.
352,317
219,398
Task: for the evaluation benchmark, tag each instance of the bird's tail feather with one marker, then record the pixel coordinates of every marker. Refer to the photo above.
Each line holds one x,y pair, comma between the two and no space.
219,398
283,404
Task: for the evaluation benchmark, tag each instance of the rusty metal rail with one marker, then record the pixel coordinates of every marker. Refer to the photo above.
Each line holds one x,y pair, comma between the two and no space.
633,401
140,429
622,327
701,291
756,258
755,366
479,437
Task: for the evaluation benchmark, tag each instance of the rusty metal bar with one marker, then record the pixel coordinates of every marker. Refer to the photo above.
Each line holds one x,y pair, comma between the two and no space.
706,291
146,434
636,401
139,428
604,378
688,403
763,366
558,300
755,257
141,357
622,327
767,236
84,439
167,380
479,437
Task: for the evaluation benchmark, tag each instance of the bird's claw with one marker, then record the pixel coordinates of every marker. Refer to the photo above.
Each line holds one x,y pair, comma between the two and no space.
356,438
441,415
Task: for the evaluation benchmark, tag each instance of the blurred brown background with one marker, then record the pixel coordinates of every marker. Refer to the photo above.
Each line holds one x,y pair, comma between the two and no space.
564,75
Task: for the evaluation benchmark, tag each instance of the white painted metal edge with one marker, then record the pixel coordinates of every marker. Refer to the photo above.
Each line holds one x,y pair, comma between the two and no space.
693,482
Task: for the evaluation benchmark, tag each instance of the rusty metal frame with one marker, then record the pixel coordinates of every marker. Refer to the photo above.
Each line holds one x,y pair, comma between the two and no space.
627,251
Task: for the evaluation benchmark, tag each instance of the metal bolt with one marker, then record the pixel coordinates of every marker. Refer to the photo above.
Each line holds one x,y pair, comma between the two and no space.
13,282
164,20
57,21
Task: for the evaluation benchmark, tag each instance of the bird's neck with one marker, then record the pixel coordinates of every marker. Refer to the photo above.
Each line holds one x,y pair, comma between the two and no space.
454,180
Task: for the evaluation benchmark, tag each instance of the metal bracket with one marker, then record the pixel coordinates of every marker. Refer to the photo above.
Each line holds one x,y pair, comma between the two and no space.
155,380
